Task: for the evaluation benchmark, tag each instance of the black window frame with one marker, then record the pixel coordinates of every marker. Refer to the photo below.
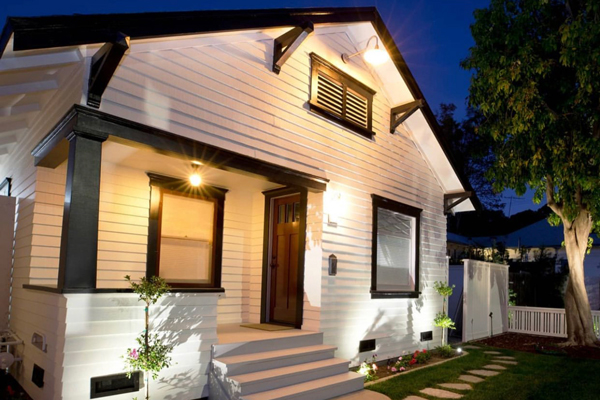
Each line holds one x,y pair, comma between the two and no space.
160,184
319,63
414,212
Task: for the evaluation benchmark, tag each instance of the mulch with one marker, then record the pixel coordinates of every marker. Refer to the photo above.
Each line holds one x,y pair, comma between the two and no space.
528,343
10,388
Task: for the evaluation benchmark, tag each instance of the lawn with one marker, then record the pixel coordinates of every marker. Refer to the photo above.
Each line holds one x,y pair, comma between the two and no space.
535,377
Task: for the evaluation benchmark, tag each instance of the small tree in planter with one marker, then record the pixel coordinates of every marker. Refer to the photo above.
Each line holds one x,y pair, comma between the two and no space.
442,320
151,355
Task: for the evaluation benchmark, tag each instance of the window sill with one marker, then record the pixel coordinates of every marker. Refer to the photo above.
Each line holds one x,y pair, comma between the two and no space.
394,295
108,290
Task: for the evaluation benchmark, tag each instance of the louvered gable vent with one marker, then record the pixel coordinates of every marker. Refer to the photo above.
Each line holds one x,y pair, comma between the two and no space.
336,94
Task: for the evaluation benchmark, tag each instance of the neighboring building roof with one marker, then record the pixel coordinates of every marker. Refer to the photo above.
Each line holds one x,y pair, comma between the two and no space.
30,33
538,234
458,239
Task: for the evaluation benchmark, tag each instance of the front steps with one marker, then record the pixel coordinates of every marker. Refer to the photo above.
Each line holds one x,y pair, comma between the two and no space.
295,367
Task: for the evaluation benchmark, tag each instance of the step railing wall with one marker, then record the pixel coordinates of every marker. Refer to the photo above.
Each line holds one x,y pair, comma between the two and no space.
542,321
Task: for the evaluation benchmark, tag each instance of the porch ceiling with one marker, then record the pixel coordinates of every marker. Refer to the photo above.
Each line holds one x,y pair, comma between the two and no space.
28,81
150,161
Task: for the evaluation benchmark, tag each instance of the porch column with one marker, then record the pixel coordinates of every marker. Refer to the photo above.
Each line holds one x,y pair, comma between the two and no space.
79,240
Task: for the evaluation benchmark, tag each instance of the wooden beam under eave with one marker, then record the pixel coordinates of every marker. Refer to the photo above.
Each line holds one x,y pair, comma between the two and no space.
13,127
28,87
20,109
458,197
40,60
104,64
285,45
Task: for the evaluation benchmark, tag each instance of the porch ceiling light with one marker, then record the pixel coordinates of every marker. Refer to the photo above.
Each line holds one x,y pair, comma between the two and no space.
195,178
374,56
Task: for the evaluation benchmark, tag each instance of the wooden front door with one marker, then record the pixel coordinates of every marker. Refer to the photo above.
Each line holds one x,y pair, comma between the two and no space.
284,259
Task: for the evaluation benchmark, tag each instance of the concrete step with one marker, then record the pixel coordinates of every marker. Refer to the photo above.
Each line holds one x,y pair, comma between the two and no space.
319,389
262,381
246,363
257,346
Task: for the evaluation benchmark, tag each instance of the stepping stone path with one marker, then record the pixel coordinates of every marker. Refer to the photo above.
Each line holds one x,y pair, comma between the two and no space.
456,386
471,347
496,367
489,370
442,394
470,378
483,372
505,362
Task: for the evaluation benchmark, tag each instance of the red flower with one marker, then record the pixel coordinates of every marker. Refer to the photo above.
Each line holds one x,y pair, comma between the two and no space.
424,351
413,361
10,391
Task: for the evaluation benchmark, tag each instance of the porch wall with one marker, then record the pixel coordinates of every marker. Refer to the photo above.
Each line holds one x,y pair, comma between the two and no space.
100,327
123,239
222,92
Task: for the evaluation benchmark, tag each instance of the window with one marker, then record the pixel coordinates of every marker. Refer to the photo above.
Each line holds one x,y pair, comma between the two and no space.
186,233
395,249
338,96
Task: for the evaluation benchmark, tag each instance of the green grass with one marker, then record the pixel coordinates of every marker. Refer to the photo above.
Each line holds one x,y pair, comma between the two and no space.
535,377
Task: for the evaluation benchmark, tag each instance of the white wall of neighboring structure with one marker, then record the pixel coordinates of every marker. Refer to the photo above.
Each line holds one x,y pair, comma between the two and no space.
485,291
221,91
7,233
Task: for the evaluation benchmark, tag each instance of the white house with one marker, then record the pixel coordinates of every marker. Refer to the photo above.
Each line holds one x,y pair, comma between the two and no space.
324,187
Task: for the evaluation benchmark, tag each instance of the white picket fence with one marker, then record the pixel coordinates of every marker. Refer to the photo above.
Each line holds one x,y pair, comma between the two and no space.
541,321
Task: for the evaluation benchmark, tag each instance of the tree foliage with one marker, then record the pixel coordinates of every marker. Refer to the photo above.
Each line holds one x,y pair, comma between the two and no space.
536,80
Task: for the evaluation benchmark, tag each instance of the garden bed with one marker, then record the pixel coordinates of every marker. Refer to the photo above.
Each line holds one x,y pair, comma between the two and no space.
528,343
385,367
10,388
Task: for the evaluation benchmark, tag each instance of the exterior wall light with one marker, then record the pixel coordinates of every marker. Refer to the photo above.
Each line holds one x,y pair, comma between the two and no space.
195,178
374,56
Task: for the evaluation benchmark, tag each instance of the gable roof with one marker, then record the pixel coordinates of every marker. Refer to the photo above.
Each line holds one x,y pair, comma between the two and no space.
30,33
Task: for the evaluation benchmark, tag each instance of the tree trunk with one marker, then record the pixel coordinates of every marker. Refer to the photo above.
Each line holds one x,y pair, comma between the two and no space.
580,327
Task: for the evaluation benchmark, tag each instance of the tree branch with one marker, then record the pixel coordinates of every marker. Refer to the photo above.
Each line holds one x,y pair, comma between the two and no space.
554,206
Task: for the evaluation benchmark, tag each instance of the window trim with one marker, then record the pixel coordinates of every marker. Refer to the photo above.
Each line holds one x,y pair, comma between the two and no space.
317,63
160,184
414,212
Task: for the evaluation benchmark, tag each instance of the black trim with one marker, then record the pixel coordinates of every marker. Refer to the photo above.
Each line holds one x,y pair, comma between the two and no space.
79,238
103,66
6,183
49,289
285,45
206,192
382,202
449,204
62,31
269,196
50,151
347,81
367,345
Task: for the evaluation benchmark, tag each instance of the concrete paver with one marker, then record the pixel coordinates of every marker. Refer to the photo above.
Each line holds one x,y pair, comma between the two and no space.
470,378
456,386
442,394
483,372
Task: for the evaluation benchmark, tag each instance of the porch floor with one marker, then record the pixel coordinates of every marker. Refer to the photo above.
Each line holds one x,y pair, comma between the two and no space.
234,333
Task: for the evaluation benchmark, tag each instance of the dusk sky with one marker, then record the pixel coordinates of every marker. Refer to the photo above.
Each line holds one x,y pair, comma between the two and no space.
433,36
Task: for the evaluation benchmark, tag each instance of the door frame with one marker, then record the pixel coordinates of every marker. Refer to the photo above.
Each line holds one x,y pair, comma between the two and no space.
270,196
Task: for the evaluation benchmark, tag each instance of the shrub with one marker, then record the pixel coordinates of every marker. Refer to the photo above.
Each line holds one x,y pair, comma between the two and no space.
369,368
445,351
421,357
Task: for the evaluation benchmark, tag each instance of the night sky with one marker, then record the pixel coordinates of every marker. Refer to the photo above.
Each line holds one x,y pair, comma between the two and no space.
432,35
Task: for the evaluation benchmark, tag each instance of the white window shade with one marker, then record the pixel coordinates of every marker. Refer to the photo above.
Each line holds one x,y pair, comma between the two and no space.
395,251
